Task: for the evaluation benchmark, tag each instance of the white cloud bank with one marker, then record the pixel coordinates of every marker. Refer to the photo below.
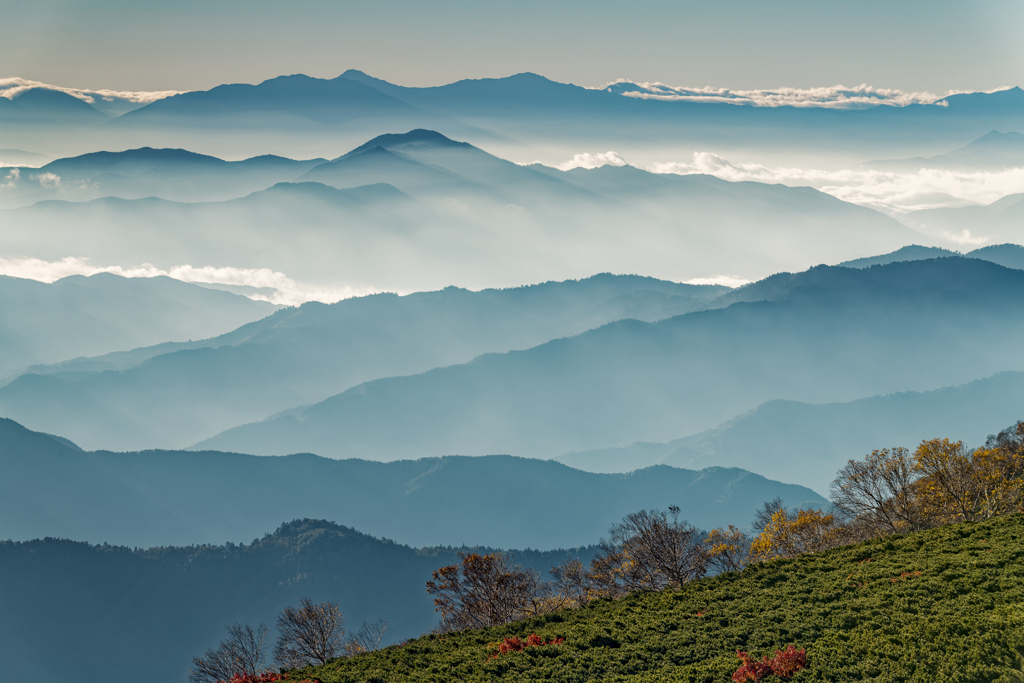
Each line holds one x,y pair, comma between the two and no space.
727,280
286,290
587,160
887,191
829,97
12,87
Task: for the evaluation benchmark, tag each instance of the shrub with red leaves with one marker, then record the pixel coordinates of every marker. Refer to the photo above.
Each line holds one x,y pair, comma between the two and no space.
785,663
267,677
515,644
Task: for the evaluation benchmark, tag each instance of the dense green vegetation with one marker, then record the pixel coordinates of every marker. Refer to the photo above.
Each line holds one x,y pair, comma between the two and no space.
940,605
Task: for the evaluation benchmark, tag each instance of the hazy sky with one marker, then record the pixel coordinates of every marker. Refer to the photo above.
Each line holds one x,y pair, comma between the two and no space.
933,45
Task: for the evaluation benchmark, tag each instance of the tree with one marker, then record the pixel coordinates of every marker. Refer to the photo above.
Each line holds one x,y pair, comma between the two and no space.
368,637
242,653
948,490
571,586
311,634
879,492
763,517
791,534
484,590
728,549
649,550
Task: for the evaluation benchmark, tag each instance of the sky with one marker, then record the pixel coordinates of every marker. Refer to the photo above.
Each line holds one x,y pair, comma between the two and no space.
914,45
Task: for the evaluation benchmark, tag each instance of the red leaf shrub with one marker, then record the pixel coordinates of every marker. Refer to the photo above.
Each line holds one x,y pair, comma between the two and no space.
266,677
515,644
785,663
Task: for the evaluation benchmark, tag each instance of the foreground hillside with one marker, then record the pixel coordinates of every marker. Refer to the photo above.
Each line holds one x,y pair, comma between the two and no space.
940,605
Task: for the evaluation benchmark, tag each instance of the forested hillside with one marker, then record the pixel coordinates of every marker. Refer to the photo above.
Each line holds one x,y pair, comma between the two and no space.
124,615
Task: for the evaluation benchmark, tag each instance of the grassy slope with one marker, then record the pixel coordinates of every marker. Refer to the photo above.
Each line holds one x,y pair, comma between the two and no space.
962,619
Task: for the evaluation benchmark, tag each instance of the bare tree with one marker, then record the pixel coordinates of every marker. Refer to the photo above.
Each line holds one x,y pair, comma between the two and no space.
764,516
879,492
368,637
242,653
572,585
311,634
649,550
484,590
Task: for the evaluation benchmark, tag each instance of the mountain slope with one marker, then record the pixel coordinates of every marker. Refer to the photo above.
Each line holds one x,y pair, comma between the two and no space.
808,443
828,334
173,603
174,395
992,151
935,605
1000,221
178,497
84,316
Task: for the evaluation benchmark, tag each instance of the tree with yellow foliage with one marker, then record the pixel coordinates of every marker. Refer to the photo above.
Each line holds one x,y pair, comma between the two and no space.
790,534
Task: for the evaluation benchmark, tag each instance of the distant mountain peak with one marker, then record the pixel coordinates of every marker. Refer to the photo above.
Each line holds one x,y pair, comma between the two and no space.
419,138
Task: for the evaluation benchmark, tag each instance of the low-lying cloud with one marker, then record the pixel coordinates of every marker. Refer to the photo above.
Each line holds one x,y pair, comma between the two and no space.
891,192
286,291
587,160
887,191
12,87
829,97
726,280
11,178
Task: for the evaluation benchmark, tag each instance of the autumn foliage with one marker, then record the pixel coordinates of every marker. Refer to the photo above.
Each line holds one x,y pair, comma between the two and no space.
266,677
785,663
517,644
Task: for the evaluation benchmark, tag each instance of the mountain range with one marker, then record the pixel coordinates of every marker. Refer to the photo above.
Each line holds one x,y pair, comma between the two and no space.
86,316
174,394
515,112
52,488
824,335
419,210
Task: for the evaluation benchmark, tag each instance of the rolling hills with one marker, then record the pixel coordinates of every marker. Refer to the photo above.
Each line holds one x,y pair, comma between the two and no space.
51,488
